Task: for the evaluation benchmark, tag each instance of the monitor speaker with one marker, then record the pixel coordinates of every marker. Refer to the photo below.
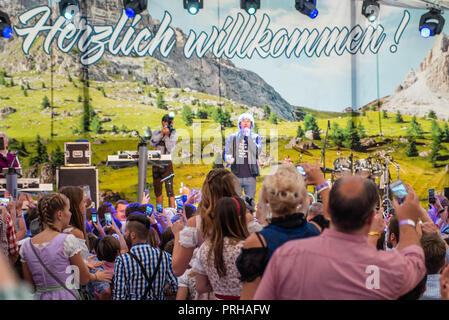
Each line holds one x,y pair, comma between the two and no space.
79,176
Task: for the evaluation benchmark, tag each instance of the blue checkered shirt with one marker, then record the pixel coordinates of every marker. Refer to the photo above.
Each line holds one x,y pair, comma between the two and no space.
130,282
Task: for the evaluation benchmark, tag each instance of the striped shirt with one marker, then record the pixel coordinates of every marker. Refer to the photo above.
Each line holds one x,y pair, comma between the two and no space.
129,281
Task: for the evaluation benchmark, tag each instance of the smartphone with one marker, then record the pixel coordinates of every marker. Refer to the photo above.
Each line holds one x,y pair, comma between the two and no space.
431,196
175,218
159,208
4,201
86,191
179,206
399,191
301,171
94,218
108,219
148,211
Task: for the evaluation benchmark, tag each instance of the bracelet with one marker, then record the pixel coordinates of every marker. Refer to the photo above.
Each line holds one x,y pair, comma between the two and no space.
322,187
375,234
409,222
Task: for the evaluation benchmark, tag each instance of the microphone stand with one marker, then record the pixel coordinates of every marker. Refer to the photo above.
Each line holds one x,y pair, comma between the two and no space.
142,167
323,154
11,180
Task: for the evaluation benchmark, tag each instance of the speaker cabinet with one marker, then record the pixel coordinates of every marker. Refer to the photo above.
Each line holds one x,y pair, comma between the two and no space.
79,176
77,154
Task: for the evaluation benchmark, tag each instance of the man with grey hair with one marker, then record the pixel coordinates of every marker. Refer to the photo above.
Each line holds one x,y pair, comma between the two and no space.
241,153
315,209
7,159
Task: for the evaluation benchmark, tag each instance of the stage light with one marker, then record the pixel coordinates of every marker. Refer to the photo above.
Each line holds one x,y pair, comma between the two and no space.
431,23
133,7
370,9
250,6
307,7
5,26
193,6
68,8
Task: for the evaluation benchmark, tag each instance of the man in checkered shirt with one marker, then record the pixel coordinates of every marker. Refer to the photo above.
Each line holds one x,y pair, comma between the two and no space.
10,247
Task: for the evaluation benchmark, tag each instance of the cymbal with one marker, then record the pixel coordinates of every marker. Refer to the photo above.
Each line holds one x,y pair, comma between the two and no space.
303,151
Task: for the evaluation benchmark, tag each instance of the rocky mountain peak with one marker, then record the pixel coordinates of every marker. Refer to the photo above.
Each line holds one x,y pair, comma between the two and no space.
208,74
427,88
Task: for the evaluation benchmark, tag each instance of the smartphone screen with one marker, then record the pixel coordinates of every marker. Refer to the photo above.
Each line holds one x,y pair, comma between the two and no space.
431,196
159,208
94,218
148,211
301,170
4,201
399,190
108,218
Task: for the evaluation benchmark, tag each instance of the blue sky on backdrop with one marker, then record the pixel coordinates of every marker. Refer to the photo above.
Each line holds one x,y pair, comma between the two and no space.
322,83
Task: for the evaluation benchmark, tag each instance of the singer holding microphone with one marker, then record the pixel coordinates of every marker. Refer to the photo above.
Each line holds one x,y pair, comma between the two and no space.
241,153
7,159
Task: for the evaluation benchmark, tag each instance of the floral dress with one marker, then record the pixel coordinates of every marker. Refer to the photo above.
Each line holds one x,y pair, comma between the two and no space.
228,287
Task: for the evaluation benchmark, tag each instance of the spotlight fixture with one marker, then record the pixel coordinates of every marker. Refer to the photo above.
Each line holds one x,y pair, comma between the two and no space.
5,26
250,6
193,6
133,7
370,9
431,23
68,8
307,7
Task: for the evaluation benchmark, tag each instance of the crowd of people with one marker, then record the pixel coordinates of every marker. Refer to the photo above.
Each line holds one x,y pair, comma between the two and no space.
225,248
220,243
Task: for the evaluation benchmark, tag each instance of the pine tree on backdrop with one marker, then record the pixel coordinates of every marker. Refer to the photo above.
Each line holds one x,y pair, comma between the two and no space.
273,119
266,111
310,123
187,116
398,118
336,134
96,125
411,151
300,132
432,115
58,157
352,138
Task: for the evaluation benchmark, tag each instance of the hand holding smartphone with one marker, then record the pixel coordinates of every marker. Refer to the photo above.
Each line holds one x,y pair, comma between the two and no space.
148,211
431,196
108,219
399,191
301,171
94,218
4,201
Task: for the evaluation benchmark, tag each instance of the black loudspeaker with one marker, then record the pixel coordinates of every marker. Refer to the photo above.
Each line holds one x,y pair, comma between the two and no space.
81,176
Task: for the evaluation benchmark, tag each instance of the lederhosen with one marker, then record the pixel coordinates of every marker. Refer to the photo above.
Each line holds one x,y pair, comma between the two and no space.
161,173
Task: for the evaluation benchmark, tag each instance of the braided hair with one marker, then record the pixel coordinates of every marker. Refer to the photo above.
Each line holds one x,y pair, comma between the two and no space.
219,183
47,207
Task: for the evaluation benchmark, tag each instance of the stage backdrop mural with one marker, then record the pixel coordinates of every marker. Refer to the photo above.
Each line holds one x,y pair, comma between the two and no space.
378,91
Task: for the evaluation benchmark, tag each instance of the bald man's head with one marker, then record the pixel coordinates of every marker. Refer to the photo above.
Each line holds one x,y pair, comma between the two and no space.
351,202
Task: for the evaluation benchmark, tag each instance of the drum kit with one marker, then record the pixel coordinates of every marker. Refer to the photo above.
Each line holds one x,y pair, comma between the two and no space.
375,167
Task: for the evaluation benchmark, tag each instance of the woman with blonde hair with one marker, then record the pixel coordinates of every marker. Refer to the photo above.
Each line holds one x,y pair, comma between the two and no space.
283,201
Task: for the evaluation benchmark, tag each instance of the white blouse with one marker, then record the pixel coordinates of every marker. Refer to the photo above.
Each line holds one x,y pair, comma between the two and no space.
71,247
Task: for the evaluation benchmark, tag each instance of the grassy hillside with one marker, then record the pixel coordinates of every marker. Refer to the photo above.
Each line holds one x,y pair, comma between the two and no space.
124,104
